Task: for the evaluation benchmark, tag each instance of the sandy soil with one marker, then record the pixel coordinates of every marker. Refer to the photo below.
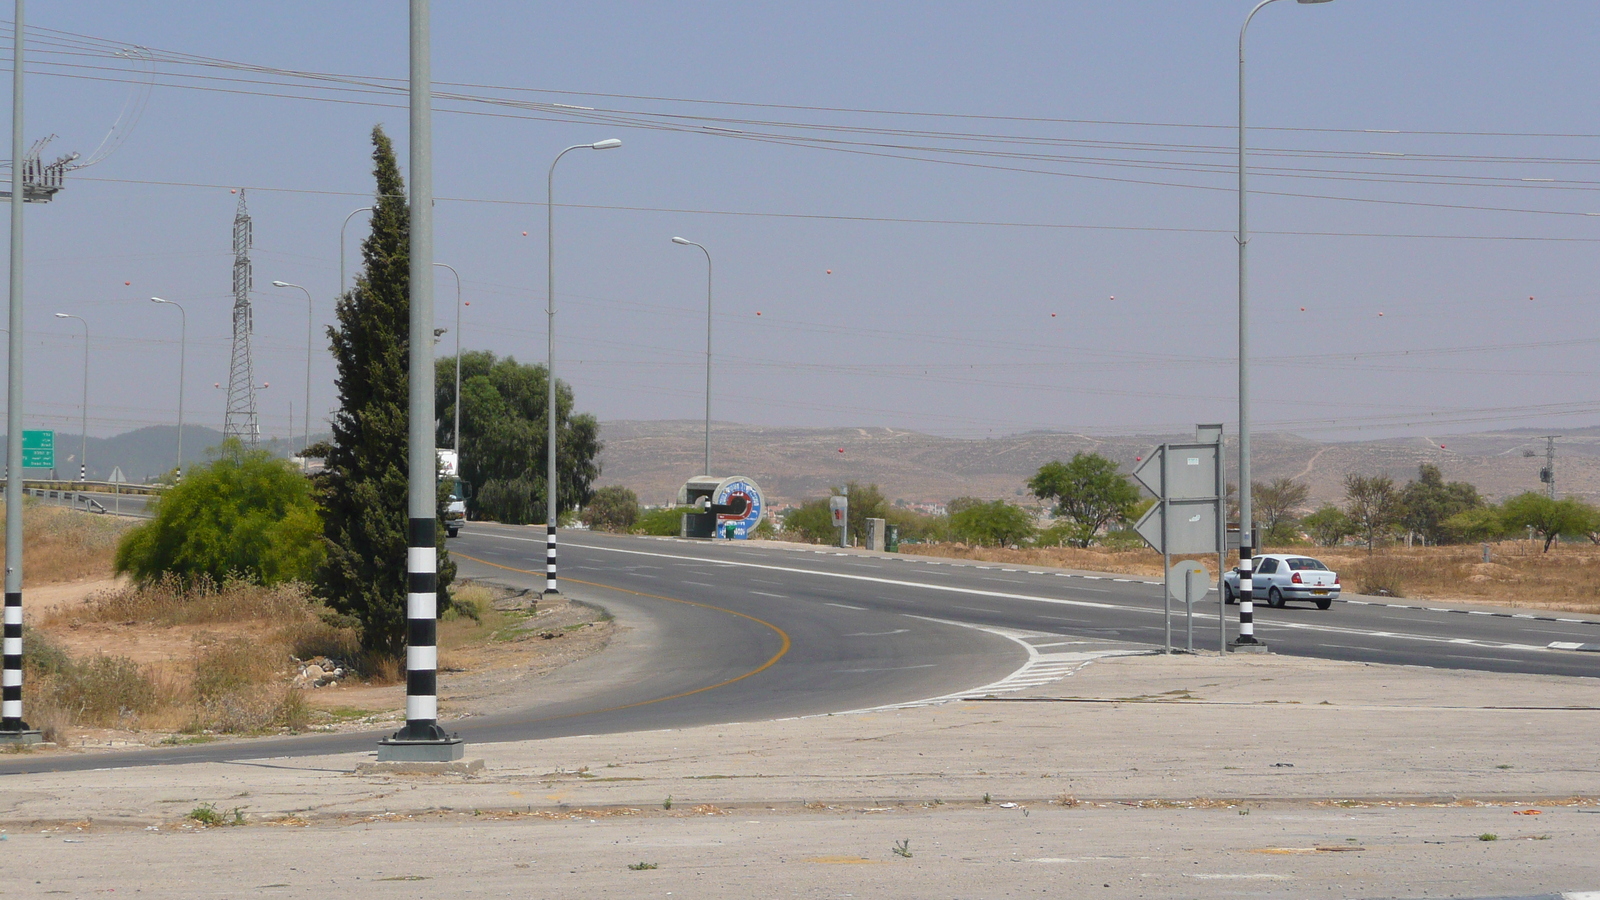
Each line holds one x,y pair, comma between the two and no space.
484,668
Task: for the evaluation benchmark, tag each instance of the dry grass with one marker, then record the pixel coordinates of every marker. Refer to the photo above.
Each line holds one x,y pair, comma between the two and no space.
66,544
1519,574
1094,559
226,683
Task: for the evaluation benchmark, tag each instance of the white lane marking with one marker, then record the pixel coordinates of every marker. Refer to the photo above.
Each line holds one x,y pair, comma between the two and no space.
765,594
847,606
698,583
1040,668
1006,595
880,633
888,669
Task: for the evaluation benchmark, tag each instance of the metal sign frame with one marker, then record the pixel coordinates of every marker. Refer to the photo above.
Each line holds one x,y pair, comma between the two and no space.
1200,492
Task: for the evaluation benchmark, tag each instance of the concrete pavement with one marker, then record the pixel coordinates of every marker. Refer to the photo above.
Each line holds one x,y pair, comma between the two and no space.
1135,776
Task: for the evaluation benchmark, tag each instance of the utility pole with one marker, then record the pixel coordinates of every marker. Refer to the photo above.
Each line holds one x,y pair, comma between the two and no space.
1548,473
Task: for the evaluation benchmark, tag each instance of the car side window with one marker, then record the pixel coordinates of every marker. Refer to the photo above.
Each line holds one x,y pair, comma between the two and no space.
1269,566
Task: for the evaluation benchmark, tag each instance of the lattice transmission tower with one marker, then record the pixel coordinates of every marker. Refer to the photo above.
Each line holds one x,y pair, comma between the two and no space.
241,421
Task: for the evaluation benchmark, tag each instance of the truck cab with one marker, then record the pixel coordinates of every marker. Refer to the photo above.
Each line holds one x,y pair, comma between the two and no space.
455,511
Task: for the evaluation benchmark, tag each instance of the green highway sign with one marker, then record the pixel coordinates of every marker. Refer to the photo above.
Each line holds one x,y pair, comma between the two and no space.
38,449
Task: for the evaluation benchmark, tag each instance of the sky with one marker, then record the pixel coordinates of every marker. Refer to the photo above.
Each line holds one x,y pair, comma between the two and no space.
970,219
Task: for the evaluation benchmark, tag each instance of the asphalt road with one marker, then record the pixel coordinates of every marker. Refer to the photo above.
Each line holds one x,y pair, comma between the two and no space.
723,632
1111,608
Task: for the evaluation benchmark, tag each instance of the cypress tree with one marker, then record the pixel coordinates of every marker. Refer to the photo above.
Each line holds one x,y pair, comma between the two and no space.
363,487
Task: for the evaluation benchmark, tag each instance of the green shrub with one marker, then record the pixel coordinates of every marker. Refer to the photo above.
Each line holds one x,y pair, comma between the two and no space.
664,522
812,522
992,524
612,508
243,515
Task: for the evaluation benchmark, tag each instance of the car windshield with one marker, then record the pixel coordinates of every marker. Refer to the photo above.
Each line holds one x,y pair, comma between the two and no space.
1302,563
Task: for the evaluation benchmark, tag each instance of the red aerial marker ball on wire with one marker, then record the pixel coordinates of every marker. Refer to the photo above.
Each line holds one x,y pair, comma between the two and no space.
830,271
841,449
127,282
524,234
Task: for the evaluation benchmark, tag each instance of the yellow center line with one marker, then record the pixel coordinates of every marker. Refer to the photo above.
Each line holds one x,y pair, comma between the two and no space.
782,635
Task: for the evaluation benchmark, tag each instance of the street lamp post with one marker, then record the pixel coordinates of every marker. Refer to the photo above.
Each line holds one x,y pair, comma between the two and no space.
455,442
688,243
83,439
183,352
341,242
1247,636
310,323
550,365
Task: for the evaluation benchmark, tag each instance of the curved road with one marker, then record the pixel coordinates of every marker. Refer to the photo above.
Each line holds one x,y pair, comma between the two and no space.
737,631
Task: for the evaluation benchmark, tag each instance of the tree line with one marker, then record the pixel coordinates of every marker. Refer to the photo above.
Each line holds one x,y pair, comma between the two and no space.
1376,510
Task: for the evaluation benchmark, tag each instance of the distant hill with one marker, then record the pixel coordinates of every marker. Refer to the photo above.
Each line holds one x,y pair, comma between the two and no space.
147,453
792,464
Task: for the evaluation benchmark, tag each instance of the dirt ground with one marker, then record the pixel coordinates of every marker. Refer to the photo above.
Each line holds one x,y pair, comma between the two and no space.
485,665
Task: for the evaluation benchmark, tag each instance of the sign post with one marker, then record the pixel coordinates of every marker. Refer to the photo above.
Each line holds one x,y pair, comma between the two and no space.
1188,517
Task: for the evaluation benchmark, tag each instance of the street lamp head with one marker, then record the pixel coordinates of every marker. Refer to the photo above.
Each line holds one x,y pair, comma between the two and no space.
280,284
64,316
607,144
1313,1
157,300
684,241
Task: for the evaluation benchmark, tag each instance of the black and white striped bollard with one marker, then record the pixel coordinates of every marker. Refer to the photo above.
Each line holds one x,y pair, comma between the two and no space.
421,740
1247,628
11,724
550,560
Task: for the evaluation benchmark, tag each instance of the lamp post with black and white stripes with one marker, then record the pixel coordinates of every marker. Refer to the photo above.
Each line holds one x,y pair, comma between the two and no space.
12,727
83,439
421,739
1247,636
551,508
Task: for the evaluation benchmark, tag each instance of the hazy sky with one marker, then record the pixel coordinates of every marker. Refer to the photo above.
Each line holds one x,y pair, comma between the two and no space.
1027,209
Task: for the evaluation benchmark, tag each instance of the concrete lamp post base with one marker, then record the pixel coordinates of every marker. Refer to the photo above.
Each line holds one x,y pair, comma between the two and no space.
444,749
26,737
1237,646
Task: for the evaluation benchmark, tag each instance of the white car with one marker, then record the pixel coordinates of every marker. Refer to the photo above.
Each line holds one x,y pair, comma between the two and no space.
1278,578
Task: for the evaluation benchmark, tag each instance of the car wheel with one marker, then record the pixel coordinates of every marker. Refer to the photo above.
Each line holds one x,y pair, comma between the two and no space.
1325,604
1275,598
1228,599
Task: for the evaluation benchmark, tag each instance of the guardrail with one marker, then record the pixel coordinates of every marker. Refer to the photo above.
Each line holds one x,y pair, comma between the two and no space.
94,501
98,487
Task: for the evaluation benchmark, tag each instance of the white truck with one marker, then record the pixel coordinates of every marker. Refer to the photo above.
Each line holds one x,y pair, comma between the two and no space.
455,513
